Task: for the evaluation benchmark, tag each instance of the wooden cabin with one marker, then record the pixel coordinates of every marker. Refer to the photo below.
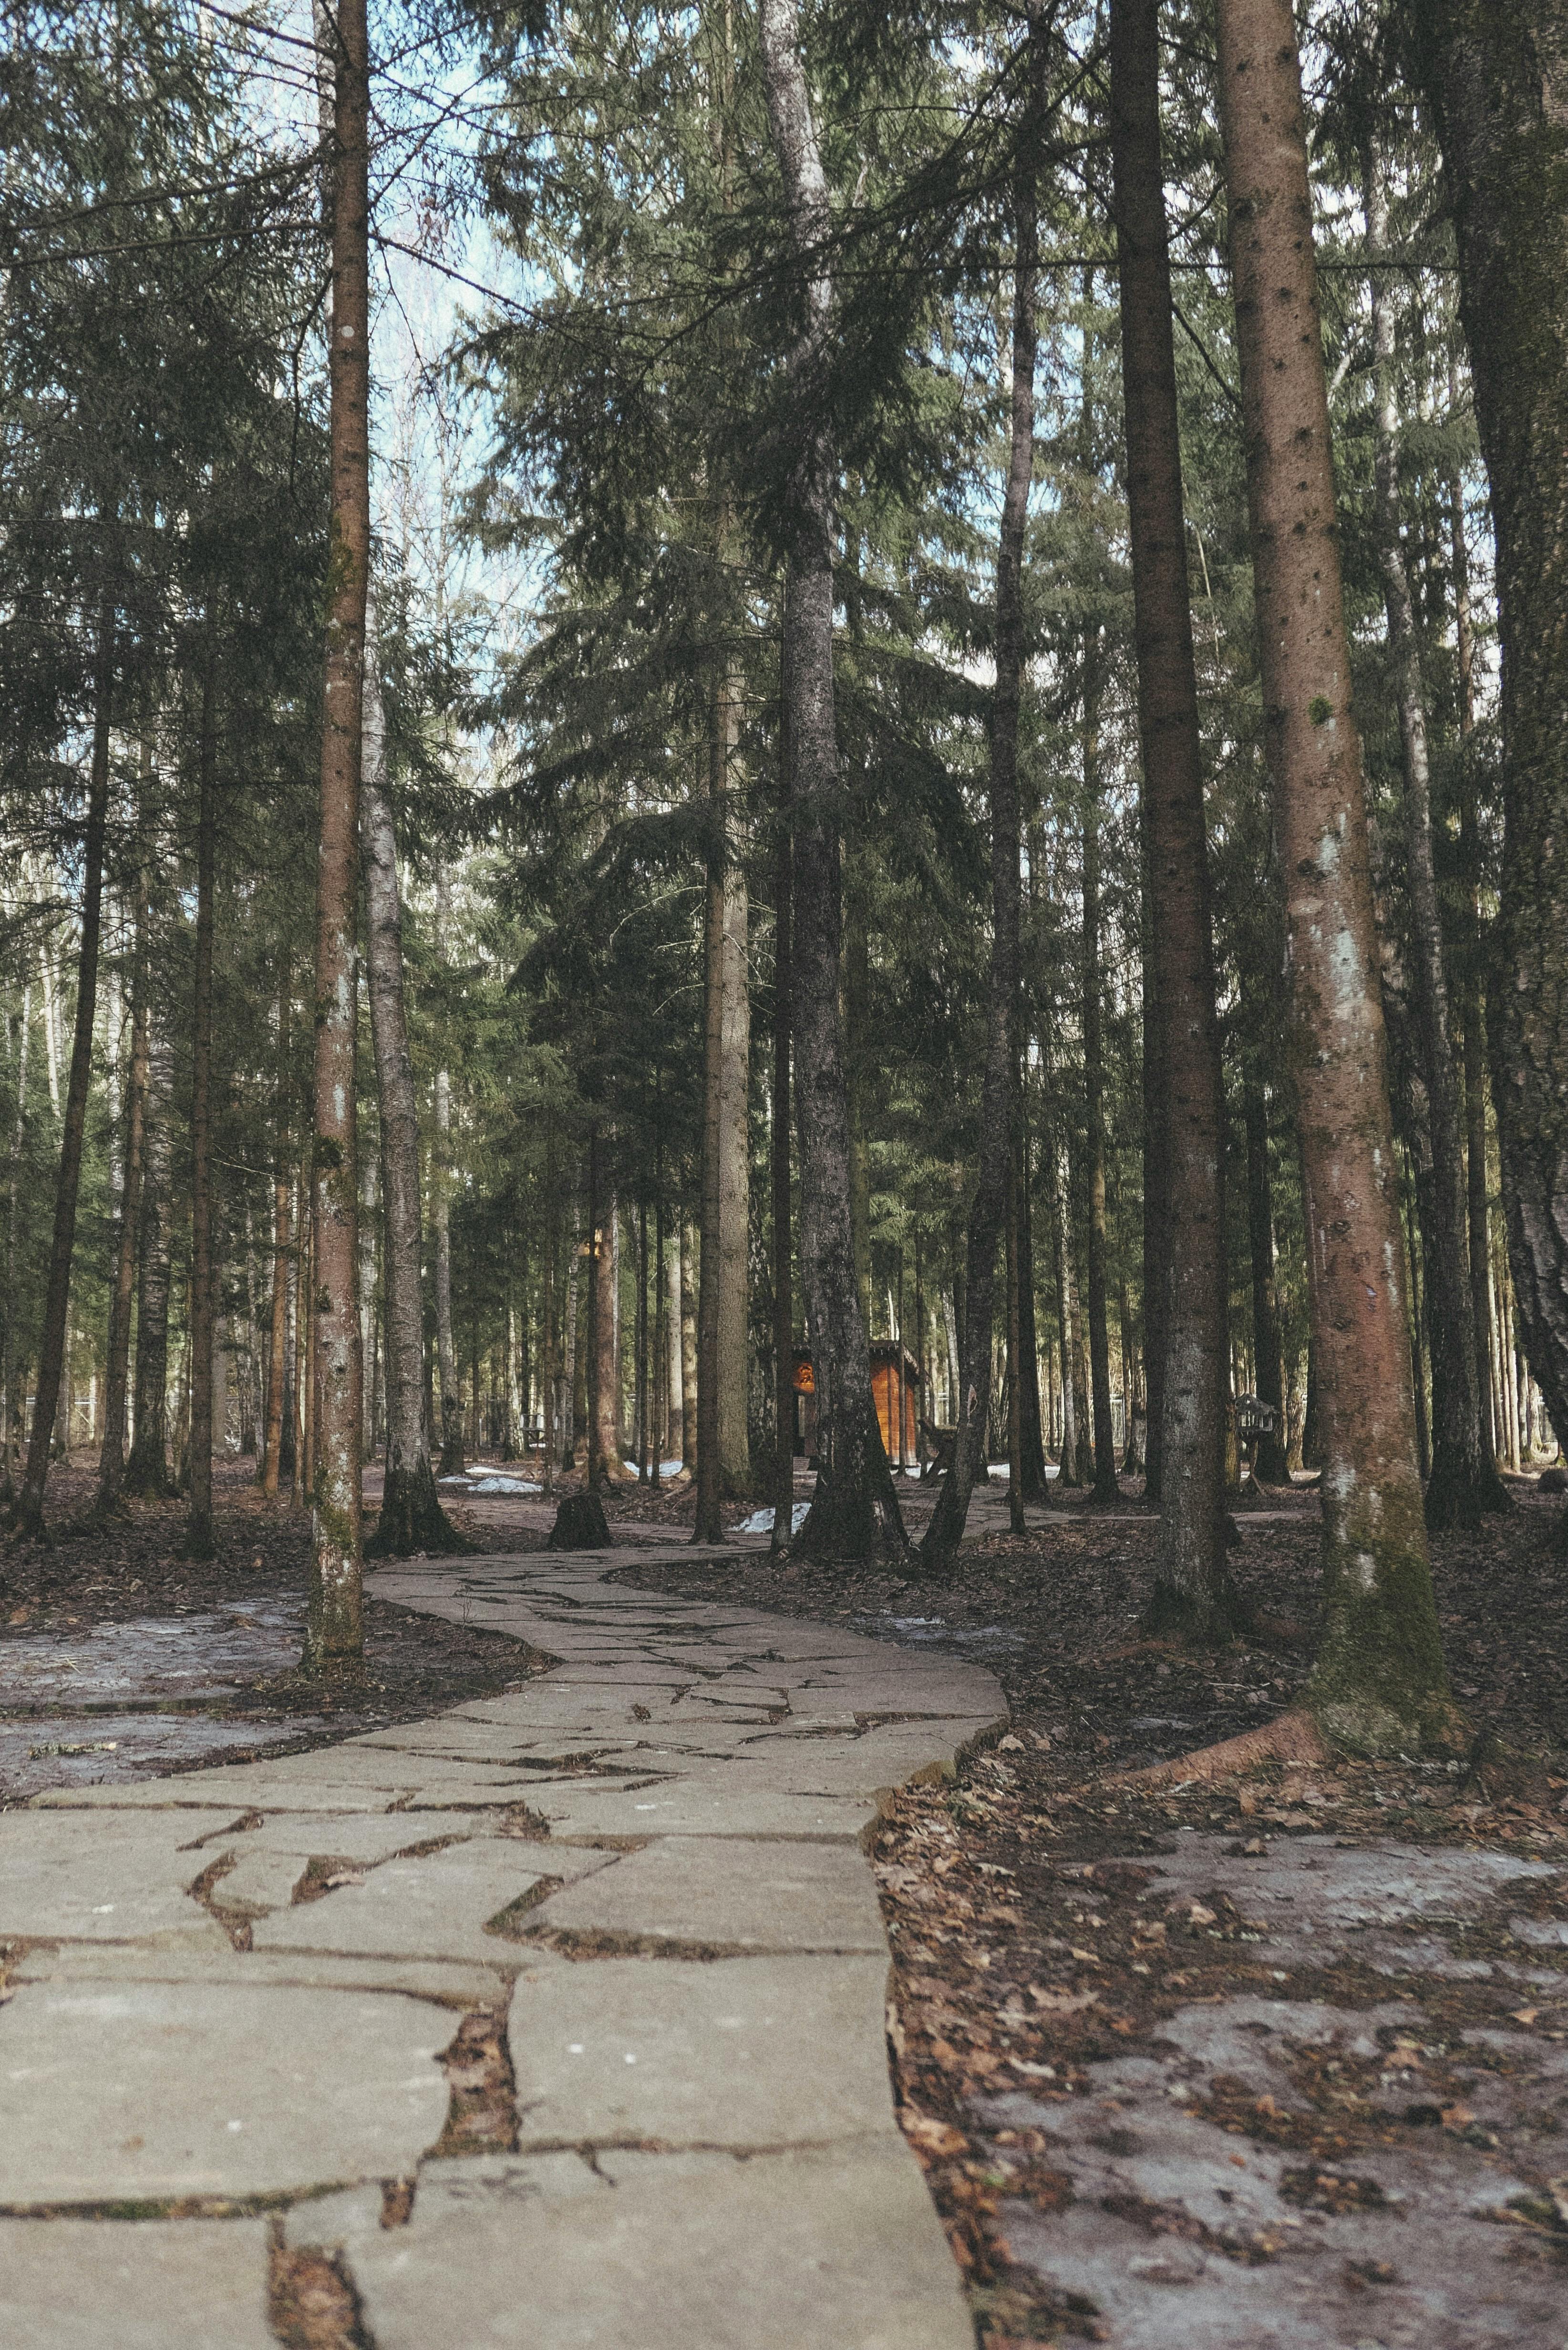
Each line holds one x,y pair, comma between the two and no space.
895,1384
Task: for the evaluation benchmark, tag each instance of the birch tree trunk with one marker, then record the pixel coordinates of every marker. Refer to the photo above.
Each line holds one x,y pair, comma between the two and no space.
111,1457
855,1510
335,1624
411,1518
1192,1587
1380,1682
999,1085
1464,1482
52,1348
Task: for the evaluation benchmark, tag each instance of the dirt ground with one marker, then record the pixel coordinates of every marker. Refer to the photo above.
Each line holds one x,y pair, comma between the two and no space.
119,1656
1281,2062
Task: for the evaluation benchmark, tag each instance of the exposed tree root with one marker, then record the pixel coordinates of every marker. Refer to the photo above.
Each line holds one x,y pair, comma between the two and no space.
1292,1737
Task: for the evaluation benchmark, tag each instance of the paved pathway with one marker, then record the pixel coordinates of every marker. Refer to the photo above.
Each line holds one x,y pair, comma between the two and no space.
630,1905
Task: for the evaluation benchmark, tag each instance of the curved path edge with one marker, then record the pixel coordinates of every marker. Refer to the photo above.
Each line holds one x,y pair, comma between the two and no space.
629,1905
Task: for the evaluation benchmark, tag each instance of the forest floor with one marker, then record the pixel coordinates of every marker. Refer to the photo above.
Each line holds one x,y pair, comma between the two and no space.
121,1657
1281,2061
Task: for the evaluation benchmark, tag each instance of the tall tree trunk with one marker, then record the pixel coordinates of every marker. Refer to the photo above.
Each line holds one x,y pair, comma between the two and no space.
1069,1472
1472,969
1379,1680
688,1328
147,1468
1014,1350
111,1457
412,1518
857,1023
1192,1587
198,1541
1497,73
707,1526
10,1404
607,1344
1464,1481
335,1624
1035,1487
1271,1462
784,1283
282,1196
855,1510
999,1081
1106,1486
56,1297
734,1343
1156,1180
441,1217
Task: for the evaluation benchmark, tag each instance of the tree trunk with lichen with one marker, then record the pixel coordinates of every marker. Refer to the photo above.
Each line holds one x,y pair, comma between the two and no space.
334,1617
1379,1683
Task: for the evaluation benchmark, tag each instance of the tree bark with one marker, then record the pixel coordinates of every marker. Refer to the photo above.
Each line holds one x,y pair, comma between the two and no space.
707,1526
111,1457
687,1324
282,1198
411,1518
999,1085
855,1510
1496,74
784,1284
1105,1487
1471,991
441,1217
1464,1482
147,1468
733,1345
10,1401
1270,1463
198,1540
1192,1587
1035,1487
607,1345
56,1298
335,1624
1380,1681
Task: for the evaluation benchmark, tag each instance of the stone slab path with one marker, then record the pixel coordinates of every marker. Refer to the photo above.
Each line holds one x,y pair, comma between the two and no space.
556,2020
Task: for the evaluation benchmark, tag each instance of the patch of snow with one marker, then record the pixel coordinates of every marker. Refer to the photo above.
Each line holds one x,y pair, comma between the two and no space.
761,1521
506,1485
